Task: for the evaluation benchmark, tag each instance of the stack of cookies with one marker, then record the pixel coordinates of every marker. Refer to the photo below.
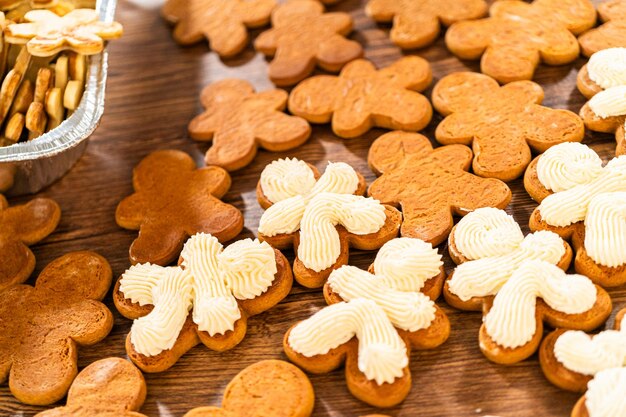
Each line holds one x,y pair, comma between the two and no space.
193,282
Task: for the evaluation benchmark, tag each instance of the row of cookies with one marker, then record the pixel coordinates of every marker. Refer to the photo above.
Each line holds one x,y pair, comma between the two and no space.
303,36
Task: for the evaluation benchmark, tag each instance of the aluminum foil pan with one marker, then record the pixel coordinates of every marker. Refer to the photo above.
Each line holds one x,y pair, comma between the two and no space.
27,167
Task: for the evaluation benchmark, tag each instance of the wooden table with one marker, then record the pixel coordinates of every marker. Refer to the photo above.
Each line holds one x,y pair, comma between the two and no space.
152,93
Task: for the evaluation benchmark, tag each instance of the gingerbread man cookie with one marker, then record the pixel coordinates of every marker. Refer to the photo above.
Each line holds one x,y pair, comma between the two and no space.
362,97
611,33
518,282
46,34
44,325
267,388
372,321
237,121
583,201
430,185
21,226
517,36
570,359
303,37
173,200
605,395
320,216
416,23
603,81
501,124
206,299
224,23
110,387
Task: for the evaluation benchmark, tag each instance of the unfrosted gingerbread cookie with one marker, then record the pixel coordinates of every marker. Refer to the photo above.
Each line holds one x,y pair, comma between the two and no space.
517,36
238,120
502,124
224,23
21,226
430,185
582,200
303,37
519,283
373,320
173,200
611,33
207,299
320,216
110,387
416,23
362,97
270,388
570,358
43,325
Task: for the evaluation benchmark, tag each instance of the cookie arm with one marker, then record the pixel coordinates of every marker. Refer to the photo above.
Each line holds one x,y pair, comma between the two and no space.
469,39
315,98
33,221
280,132
255,13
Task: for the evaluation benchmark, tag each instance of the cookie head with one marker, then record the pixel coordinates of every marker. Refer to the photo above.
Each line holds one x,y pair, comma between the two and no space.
610,34
430,185
173,200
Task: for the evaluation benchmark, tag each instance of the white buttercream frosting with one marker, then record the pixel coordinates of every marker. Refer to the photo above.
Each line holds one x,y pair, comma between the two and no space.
588,355
610,102
511,321
605,229
607,67
567,165
605,394
286,178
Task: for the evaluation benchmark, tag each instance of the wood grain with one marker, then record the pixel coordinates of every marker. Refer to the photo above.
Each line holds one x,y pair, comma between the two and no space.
152,93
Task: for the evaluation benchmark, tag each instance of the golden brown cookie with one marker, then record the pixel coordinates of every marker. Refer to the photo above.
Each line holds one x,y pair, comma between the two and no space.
237,121
416,23
110,387
371,336
224,23
233,289
46,34
501,124
303,37
277,213
173,200
557,373
44,325
20,227
517,36
609,124
270,388
362,97
611,33
430,185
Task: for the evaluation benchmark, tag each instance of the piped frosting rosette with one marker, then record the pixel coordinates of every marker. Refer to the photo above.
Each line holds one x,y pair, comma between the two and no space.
603,81
570,358
206,298
321,216
519,283
582,200
605,395
372,321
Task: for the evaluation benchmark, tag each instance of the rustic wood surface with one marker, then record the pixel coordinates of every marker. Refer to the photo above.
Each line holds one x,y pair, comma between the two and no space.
152,93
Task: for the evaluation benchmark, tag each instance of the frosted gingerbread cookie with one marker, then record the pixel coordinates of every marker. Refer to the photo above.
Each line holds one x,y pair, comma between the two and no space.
110,387
237,121
416,23
320,216
603,81
373,320
303,37
174,199
224,23
207,298
518,282
570,358
583,201
43,326
604,396
430,185
502,124
610,33
517,36
21,226
362,97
